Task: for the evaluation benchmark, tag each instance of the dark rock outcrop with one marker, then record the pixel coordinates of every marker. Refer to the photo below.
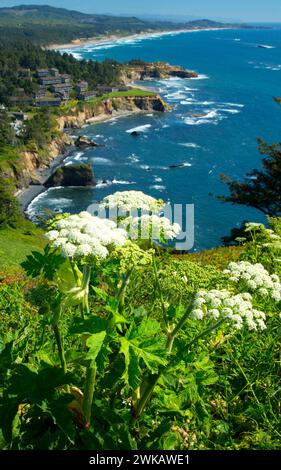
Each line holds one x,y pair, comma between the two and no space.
155,70
83,142
72,175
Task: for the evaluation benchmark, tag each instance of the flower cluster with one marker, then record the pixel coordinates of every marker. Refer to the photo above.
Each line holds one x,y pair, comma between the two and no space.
128,201
84,235
222,305
131,256
151,227
255,278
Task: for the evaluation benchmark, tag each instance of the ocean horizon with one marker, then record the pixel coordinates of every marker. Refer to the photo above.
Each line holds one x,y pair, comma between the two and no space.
212,128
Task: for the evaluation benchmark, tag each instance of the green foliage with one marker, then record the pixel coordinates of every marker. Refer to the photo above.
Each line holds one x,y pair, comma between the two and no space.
137,374
46,24
261,188
9,206
43,264
18,55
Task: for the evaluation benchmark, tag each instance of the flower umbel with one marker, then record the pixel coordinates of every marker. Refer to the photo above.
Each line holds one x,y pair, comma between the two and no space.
236,309
84,235
129,201
151,227
255,278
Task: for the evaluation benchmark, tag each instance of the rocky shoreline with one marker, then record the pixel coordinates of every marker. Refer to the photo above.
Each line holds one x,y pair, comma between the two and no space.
64,145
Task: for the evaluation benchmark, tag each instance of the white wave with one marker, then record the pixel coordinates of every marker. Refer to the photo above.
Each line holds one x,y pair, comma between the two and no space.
201,76
134,158
78,155
145,167
191,145
266,46
231,111
158,187
157,179
177,95
102,161
188,101
105,183
237,39
211,117
143,128
235,105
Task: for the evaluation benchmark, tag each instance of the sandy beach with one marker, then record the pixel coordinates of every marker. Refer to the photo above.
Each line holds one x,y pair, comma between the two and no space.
105,39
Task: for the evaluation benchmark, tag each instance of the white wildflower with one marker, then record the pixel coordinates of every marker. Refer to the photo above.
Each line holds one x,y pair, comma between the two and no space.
149,227
53,235
84,235
234,309
128,201
255,278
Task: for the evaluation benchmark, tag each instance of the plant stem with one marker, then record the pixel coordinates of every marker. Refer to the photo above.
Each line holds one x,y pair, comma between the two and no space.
59,341
158,287
89,392
120,296
152,381
145,397
85,286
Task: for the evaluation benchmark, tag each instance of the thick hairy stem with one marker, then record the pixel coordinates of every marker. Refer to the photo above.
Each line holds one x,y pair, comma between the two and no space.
158,287
85,286
152,381
89,393
120,296
147,390
60,346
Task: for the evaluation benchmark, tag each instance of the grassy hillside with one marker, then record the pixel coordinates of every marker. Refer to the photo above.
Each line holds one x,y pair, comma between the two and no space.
17,243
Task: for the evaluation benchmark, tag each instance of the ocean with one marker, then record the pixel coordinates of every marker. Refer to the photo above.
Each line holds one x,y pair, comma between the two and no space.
212,128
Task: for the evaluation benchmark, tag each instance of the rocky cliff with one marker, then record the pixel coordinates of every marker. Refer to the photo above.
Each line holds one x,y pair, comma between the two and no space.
155,70
33,161
109,108
72,175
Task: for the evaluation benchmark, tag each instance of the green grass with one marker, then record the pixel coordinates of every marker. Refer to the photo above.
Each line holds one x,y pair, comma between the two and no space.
16,244
134,92
8,154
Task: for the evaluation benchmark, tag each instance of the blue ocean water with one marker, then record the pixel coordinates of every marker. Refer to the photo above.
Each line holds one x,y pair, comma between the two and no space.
212,128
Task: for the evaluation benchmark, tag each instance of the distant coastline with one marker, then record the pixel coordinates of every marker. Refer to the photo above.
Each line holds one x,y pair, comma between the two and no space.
104,39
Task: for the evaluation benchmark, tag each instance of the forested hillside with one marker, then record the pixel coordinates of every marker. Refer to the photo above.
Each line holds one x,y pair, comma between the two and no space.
45,24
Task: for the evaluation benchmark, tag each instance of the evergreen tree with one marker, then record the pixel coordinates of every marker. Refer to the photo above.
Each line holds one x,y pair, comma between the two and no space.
261,189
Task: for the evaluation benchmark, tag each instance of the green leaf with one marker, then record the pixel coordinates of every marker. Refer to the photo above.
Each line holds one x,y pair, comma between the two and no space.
170,441
101,294
95,343
6,358
65,279
62,416
132,373
91,325
8,411
145,345
45,264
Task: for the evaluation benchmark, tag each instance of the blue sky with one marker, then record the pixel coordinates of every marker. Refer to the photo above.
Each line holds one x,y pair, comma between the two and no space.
245,10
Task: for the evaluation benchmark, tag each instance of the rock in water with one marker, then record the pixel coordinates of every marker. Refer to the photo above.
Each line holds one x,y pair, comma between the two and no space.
135,134
83,142
72,175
